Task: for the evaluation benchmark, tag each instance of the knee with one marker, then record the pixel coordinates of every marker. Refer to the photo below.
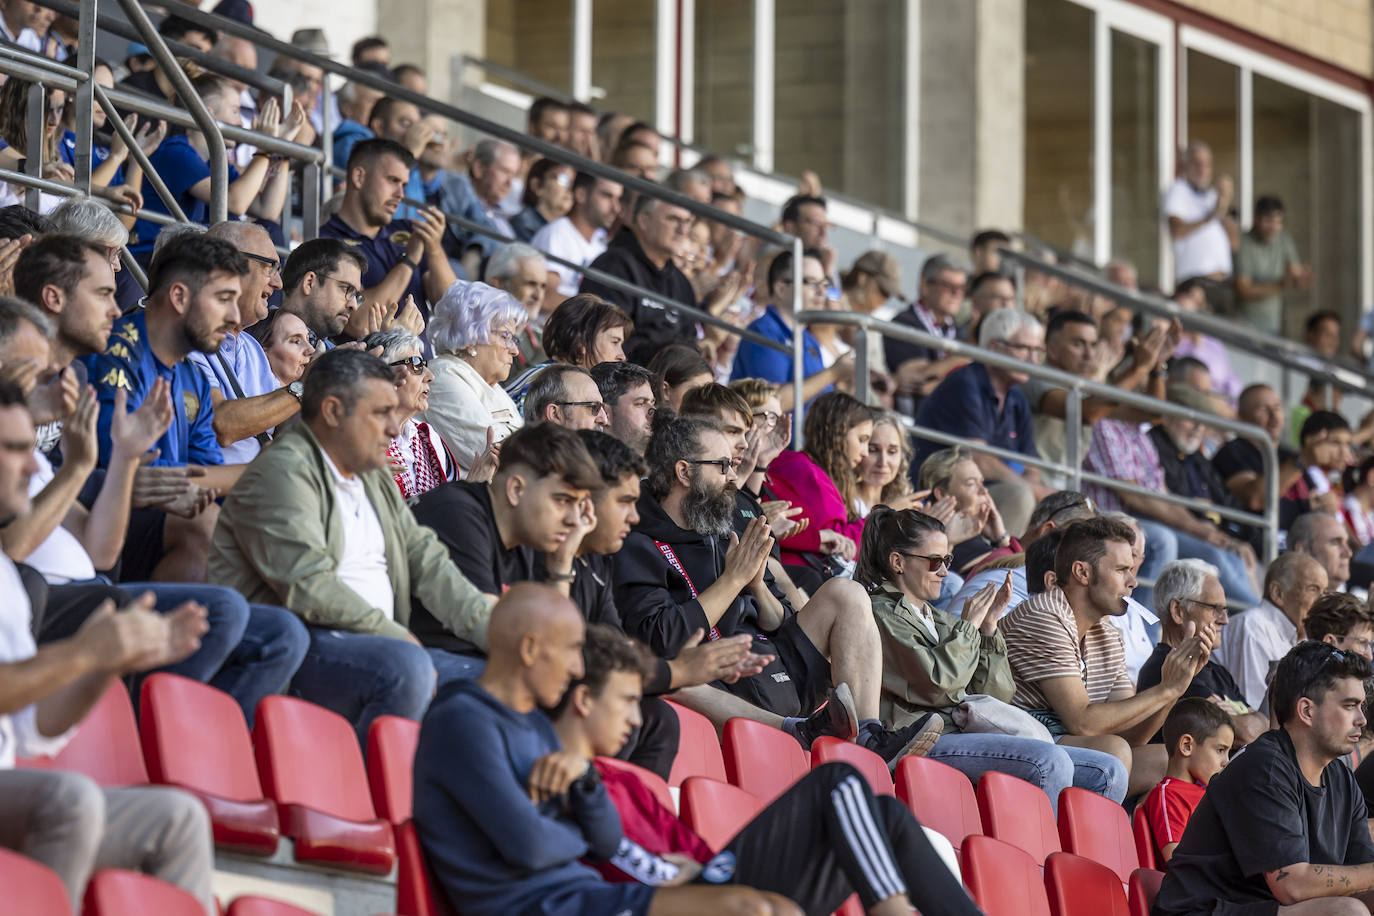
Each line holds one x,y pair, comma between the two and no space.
73,799
846,593
226,611
285,636
1118,747
830,775
184,819
745,901
410,681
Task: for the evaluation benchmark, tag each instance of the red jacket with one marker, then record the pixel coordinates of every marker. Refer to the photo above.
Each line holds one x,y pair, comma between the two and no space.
650,831
796,478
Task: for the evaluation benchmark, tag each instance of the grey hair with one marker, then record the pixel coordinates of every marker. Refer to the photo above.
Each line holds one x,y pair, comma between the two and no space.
90,220
1003,323
1303,531
174,231
236,231
340,374
15,313
505,263
548,387
938,262
1059,502
1283,572
393,342
681,179
1181,580
488,149
466,312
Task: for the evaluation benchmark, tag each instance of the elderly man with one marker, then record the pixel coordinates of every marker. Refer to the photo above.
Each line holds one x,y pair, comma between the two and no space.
918,368
565,395
984,405
1199,217
492,166
1242,467
1189,599
1262,635
580,236
1323,537
520,270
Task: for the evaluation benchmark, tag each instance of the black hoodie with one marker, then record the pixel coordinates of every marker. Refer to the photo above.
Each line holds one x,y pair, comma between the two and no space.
656,325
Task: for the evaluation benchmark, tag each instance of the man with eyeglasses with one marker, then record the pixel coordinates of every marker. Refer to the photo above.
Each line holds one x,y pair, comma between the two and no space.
567,396
919,368
1189,596
628,392
322,286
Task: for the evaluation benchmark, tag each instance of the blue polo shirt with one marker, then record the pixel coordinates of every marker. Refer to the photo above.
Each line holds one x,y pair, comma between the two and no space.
756,361
965,405
182,168
383,252
128,363
66,150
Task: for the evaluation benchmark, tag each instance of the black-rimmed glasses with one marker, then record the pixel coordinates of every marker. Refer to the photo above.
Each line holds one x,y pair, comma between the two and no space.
1084,503
596,406
726,465
273,264
415,364
349,290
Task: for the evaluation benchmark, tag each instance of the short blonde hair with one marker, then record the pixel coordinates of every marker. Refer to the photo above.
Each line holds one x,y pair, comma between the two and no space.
937,469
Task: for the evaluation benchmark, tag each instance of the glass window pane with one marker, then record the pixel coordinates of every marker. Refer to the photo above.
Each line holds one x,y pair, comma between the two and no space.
724,115
1135,154
531,36
1213,90
623,50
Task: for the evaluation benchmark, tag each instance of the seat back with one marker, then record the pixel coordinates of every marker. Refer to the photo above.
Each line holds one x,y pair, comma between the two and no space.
31,887
652,781
309,756
1142,890
263,906
1145,849
105,746
716,810
940,796
762,760
1081,887
1097,828
1003,880
195,736
698,748
115,892
417,893
874,769
391,742
1018,813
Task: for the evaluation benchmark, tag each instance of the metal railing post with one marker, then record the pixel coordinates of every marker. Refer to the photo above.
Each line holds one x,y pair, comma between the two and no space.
310,201
160,188
1073,429
798,402
798,339
85,62
37,118
133,267
862,388
326,132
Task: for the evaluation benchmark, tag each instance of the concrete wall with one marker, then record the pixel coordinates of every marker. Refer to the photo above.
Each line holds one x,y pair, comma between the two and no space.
343,23
1338,31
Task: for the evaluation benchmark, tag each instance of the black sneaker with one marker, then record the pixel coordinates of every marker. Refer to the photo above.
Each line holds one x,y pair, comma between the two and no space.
836,716
917,738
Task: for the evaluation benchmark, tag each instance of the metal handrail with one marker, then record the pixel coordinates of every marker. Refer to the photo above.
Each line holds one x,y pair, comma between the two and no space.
1077,389
160,188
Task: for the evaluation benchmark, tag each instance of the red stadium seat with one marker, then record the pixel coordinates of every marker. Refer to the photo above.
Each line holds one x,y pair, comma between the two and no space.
1145,849
1097,828
417,894
698,748
105,746
650,779
1018,813
1003,880
852,907
940,797
1143,889
115,892
311,766
195,738
263,906
31,887
391,742
832,750
762,760
716,810
1081,887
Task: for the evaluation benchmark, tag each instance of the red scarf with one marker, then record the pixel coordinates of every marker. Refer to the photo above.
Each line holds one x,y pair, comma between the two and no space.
426,470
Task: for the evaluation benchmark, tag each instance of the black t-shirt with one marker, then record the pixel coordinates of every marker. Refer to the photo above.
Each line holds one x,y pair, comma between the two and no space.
1213,679
461,514
1260,814
1241,455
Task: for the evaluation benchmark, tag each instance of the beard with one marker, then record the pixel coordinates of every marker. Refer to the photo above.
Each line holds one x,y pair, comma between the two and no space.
201,334
708,511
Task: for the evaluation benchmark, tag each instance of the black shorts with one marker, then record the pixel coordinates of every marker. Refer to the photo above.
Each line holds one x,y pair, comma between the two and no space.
143,545
804,663
1253,908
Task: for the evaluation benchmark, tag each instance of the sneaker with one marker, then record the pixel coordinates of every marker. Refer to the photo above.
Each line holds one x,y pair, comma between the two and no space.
836,716
917,738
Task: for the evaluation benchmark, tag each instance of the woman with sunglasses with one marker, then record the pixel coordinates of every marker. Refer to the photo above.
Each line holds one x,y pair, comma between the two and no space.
933,661
420,460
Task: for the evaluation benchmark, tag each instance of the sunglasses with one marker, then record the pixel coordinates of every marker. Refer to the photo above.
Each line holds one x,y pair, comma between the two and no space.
416,364
947,561
1084,502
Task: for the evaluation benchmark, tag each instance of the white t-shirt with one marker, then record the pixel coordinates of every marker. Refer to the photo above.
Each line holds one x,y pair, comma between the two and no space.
19,735
363,564
561,238
1207,249
61,558
27,38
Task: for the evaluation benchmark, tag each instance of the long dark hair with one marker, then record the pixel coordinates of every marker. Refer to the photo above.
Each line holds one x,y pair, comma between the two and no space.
885,531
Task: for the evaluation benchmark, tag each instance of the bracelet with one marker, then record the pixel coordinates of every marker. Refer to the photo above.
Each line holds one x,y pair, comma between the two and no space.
414,267
263,153
760,469
559,577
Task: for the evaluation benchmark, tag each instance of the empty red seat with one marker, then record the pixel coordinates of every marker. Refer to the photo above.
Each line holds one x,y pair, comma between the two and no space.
262,906
698,748
851,907
105,746
1145,849
114,892
651,780
195,738
762,760
417,893
1018,813
391,742
716,810
312,767
1142,890
1097,828
1003,880
1081,887
31,887
940,797
874,768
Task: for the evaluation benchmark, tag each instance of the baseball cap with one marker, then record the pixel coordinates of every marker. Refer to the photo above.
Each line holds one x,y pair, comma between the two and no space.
884,268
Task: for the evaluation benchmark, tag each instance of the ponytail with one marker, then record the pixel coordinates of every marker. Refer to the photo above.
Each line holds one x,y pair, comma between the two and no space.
887,530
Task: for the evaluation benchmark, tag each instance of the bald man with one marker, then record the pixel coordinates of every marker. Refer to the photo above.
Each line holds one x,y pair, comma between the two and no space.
505,815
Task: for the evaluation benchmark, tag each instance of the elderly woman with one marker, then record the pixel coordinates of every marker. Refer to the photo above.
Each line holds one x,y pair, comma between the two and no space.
473,332
419,458
93,221
286,341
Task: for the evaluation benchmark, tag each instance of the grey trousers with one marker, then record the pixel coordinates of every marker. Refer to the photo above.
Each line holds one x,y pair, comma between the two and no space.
76,828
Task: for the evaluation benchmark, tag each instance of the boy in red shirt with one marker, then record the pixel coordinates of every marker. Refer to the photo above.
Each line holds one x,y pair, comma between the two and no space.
1199,735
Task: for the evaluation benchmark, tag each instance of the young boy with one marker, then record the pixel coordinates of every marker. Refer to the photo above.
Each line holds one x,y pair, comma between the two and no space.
1198,735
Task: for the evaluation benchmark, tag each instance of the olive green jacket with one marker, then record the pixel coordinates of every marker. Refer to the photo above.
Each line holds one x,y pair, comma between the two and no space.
279,541
922,675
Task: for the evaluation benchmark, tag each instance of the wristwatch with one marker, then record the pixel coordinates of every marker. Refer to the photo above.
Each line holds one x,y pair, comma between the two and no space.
296,388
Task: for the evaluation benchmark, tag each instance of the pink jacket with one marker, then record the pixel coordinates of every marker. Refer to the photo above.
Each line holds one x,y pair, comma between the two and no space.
795,477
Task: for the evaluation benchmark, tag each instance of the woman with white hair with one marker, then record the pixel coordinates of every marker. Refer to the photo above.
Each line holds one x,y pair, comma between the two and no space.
419,459
473,331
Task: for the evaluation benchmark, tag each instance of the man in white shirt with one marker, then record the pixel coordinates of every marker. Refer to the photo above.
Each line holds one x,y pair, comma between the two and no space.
580,236
1258,638
1199,220
62,819
20,21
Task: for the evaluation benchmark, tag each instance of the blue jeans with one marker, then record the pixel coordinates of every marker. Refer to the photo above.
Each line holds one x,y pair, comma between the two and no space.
450,667
1052,767
1177,545
361,676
